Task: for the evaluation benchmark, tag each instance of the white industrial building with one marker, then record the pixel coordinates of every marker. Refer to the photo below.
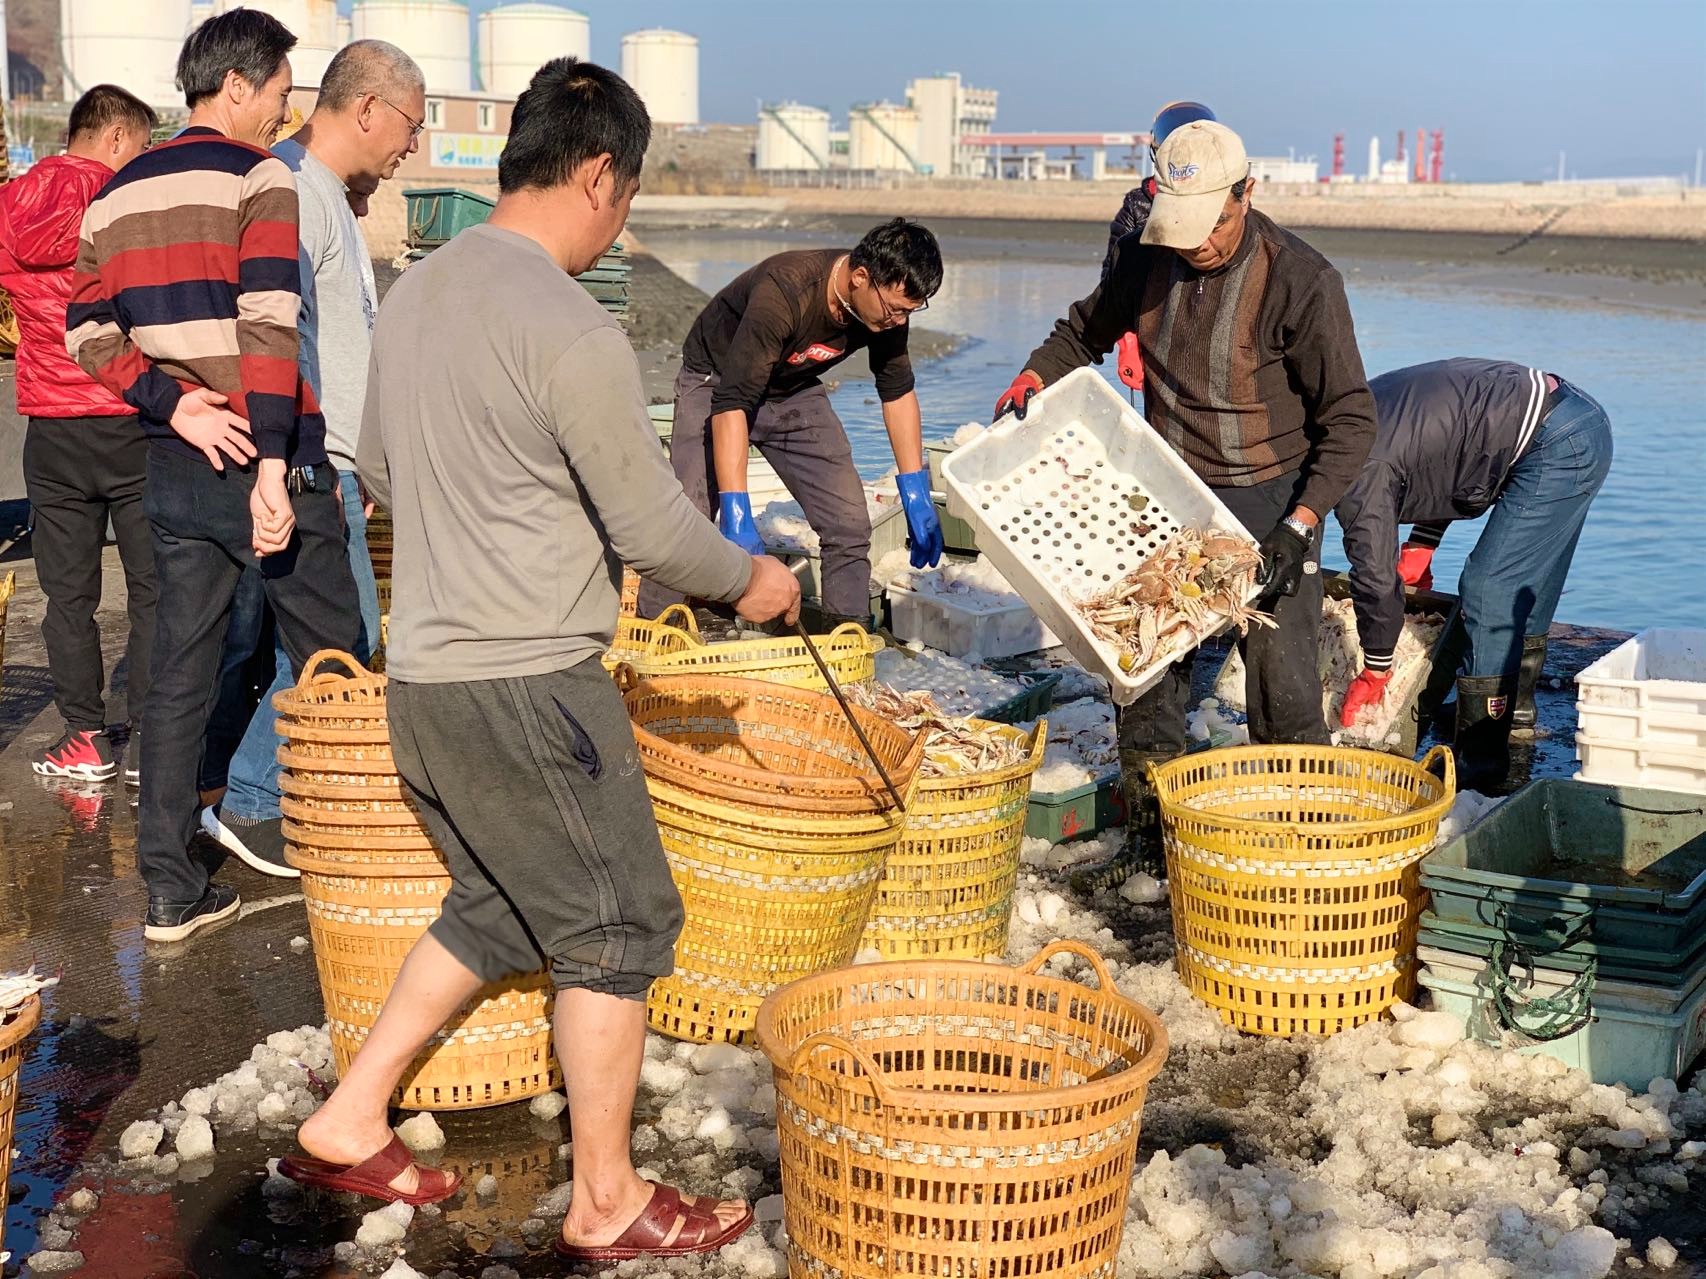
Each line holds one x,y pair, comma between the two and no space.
792,138
948,109
882,138
1284,169
663,67
515,40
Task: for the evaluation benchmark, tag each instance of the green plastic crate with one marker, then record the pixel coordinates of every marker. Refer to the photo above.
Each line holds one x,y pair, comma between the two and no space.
958,535
1614,865
1569,951
438,213
1033,703
1618,1032
1078,813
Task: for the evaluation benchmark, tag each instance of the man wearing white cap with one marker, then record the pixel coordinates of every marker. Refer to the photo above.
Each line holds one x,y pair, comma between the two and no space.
1252,375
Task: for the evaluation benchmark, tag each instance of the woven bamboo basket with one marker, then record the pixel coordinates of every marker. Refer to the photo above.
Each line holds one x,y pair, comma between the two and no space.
848,651
8,324
373,883
14,1038
776,830
953,1118
672,631
8,585
947,892
379,544
1295,879
630,592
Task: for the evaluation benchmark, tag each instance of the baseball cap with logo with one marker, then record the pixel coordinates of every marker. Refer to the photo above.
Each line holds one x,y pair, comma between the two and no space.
1195,167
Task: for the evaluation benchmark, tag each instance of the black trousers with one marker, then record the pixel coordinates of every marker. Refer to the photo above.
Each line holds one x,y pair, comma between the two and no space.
201,529
1282,685
79,472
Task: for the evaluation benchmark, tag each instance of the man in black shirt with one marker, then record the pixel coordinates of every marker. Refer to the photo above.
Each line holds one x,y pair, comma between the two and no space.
751,371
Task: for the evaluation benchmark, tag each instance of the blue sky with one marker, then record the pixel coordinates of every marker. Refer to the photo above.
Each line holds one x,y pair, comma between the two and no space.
1618,85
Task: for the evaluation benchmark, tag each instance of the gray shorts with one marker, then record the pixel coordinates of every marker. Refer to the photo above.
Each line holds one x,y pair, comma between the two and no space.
532,789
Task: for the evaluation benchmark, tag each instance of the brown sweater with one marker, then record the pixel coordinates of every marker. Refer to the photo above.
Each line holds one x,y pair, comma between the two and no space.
769,334
1250,372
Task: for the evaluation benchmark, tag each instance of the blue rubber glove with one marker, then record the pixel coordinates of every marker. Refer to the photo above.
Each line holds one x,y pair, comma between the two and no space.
921,518
734,518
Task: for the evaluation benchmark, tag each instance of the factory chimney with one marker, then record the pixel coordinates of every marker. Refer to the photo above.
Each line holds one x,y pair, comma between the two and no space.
1421,159
1338,155
1374,159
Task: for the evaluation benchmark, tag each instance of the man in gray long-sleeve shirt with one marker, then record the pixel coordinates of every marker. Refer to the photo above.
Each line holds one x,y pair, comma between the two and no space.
506,431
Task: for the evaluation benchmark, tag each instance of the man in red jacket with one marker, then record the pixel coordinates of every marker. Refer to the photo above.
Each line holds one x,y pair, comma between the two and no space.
84,451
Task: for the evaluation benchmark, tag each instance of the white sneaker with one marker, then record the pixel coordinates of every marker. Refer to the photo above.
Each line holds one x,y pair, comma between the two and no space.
267,853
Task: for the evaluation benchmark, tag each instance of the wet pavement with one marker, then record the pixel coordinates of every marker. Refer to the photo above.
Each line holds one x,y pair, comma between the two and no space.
131,1028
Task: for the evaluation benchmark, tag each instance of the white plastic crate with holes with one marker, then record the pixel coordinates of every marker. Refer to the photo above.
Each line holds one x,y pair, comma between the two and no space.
1074,497
1649,690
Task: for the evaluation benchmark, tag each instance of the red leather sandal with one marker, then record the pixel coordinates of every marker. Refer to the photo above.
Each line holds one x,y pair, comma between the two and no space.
669,1227
372,1176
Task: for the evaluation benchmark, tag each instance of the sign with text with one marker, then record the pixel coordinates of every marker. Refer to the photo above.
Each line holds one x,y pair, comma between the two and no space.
465,150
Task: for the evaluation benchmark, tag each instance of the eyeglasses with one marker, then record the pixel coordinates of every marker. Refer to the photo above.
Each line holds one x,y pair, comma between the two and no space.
415,126
893,313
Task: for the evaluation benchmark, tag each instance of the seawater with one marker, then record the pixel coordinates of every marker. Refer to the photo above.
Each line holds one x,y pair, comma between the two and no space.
1642,557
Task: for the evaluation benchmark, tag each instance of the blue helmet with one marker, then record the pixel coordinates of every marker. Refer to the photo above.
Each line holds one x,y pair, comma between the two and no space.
1173,115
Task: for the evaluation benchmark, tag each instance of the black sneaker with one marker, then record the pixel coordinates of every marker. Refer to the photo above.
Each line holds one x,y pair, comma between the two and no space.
174,921
260,844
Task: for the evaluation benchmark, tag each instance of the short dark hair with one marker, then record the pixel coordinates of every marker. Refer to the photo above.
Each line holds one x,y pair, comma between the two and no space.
1240,187
901,252
572,112
246,41
106,105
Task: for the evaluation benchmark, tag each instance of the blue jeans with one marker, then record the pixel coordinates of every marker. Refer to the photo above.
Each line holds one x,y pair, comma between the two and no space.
1513,578
252,786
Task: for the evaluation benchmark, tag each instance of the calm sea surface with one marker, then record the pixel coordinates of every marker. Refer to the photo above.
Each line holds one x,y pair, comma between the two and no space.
1642,557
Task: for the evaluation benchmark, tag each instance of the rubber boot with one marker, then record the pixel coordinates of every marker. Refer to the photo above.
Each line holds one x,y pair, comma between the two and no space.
1142,849
1527,679
1482,739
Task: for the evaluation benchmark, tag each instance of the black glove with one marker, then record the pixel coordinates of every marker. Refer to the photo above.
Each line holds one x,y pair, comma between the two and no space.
1285,551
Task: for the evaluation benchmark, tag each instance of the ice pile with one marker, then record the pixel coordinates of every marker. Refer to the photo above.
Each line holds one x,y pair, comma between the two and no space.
1340,661
958,687
976,585
280,1085
1466,811
1083,746
1207,724
783,525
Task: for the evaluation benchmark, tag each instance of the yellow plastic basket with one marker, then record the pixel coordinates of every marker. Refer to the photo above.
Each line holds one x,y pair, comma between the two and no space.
1295,879
942,1118
848,651
947,892
671,631
776,829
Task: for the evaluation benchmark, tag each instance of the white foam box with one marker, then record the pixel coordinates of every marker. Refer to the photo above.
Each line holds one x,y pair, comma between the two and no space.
961,630
1649,690
1056,499
1636,1032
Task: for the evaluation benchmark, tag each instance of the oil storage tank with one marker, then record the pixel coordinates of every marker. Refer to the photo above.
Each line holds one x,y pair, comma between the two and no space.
882,138
433,32
134,44
663,67
517,39
314,23
792,138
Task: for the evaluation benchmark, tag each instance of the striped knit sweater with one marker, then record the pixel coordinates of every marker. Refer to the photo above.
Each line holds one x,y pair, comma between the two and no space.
187,276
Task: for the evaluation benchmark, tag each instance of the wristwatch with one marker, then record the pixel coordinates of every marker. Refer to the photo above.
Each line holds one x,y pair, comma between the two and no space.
1305,531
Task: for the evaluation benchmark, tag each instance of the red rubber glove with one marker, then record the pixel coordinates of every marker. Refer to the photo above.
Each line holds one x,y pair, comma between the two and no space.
1413,565
1129,361
1017,398
1365,690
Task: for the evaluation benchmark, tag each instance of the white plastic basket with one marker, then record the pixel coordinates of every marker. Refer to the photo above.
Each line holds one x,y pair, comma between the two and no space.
1650,691
1053,499
1638,763
960,630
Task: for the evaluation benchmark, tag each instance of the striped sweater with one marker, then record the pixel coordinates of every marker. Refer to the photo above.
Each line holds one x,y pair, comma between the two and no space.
187,276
